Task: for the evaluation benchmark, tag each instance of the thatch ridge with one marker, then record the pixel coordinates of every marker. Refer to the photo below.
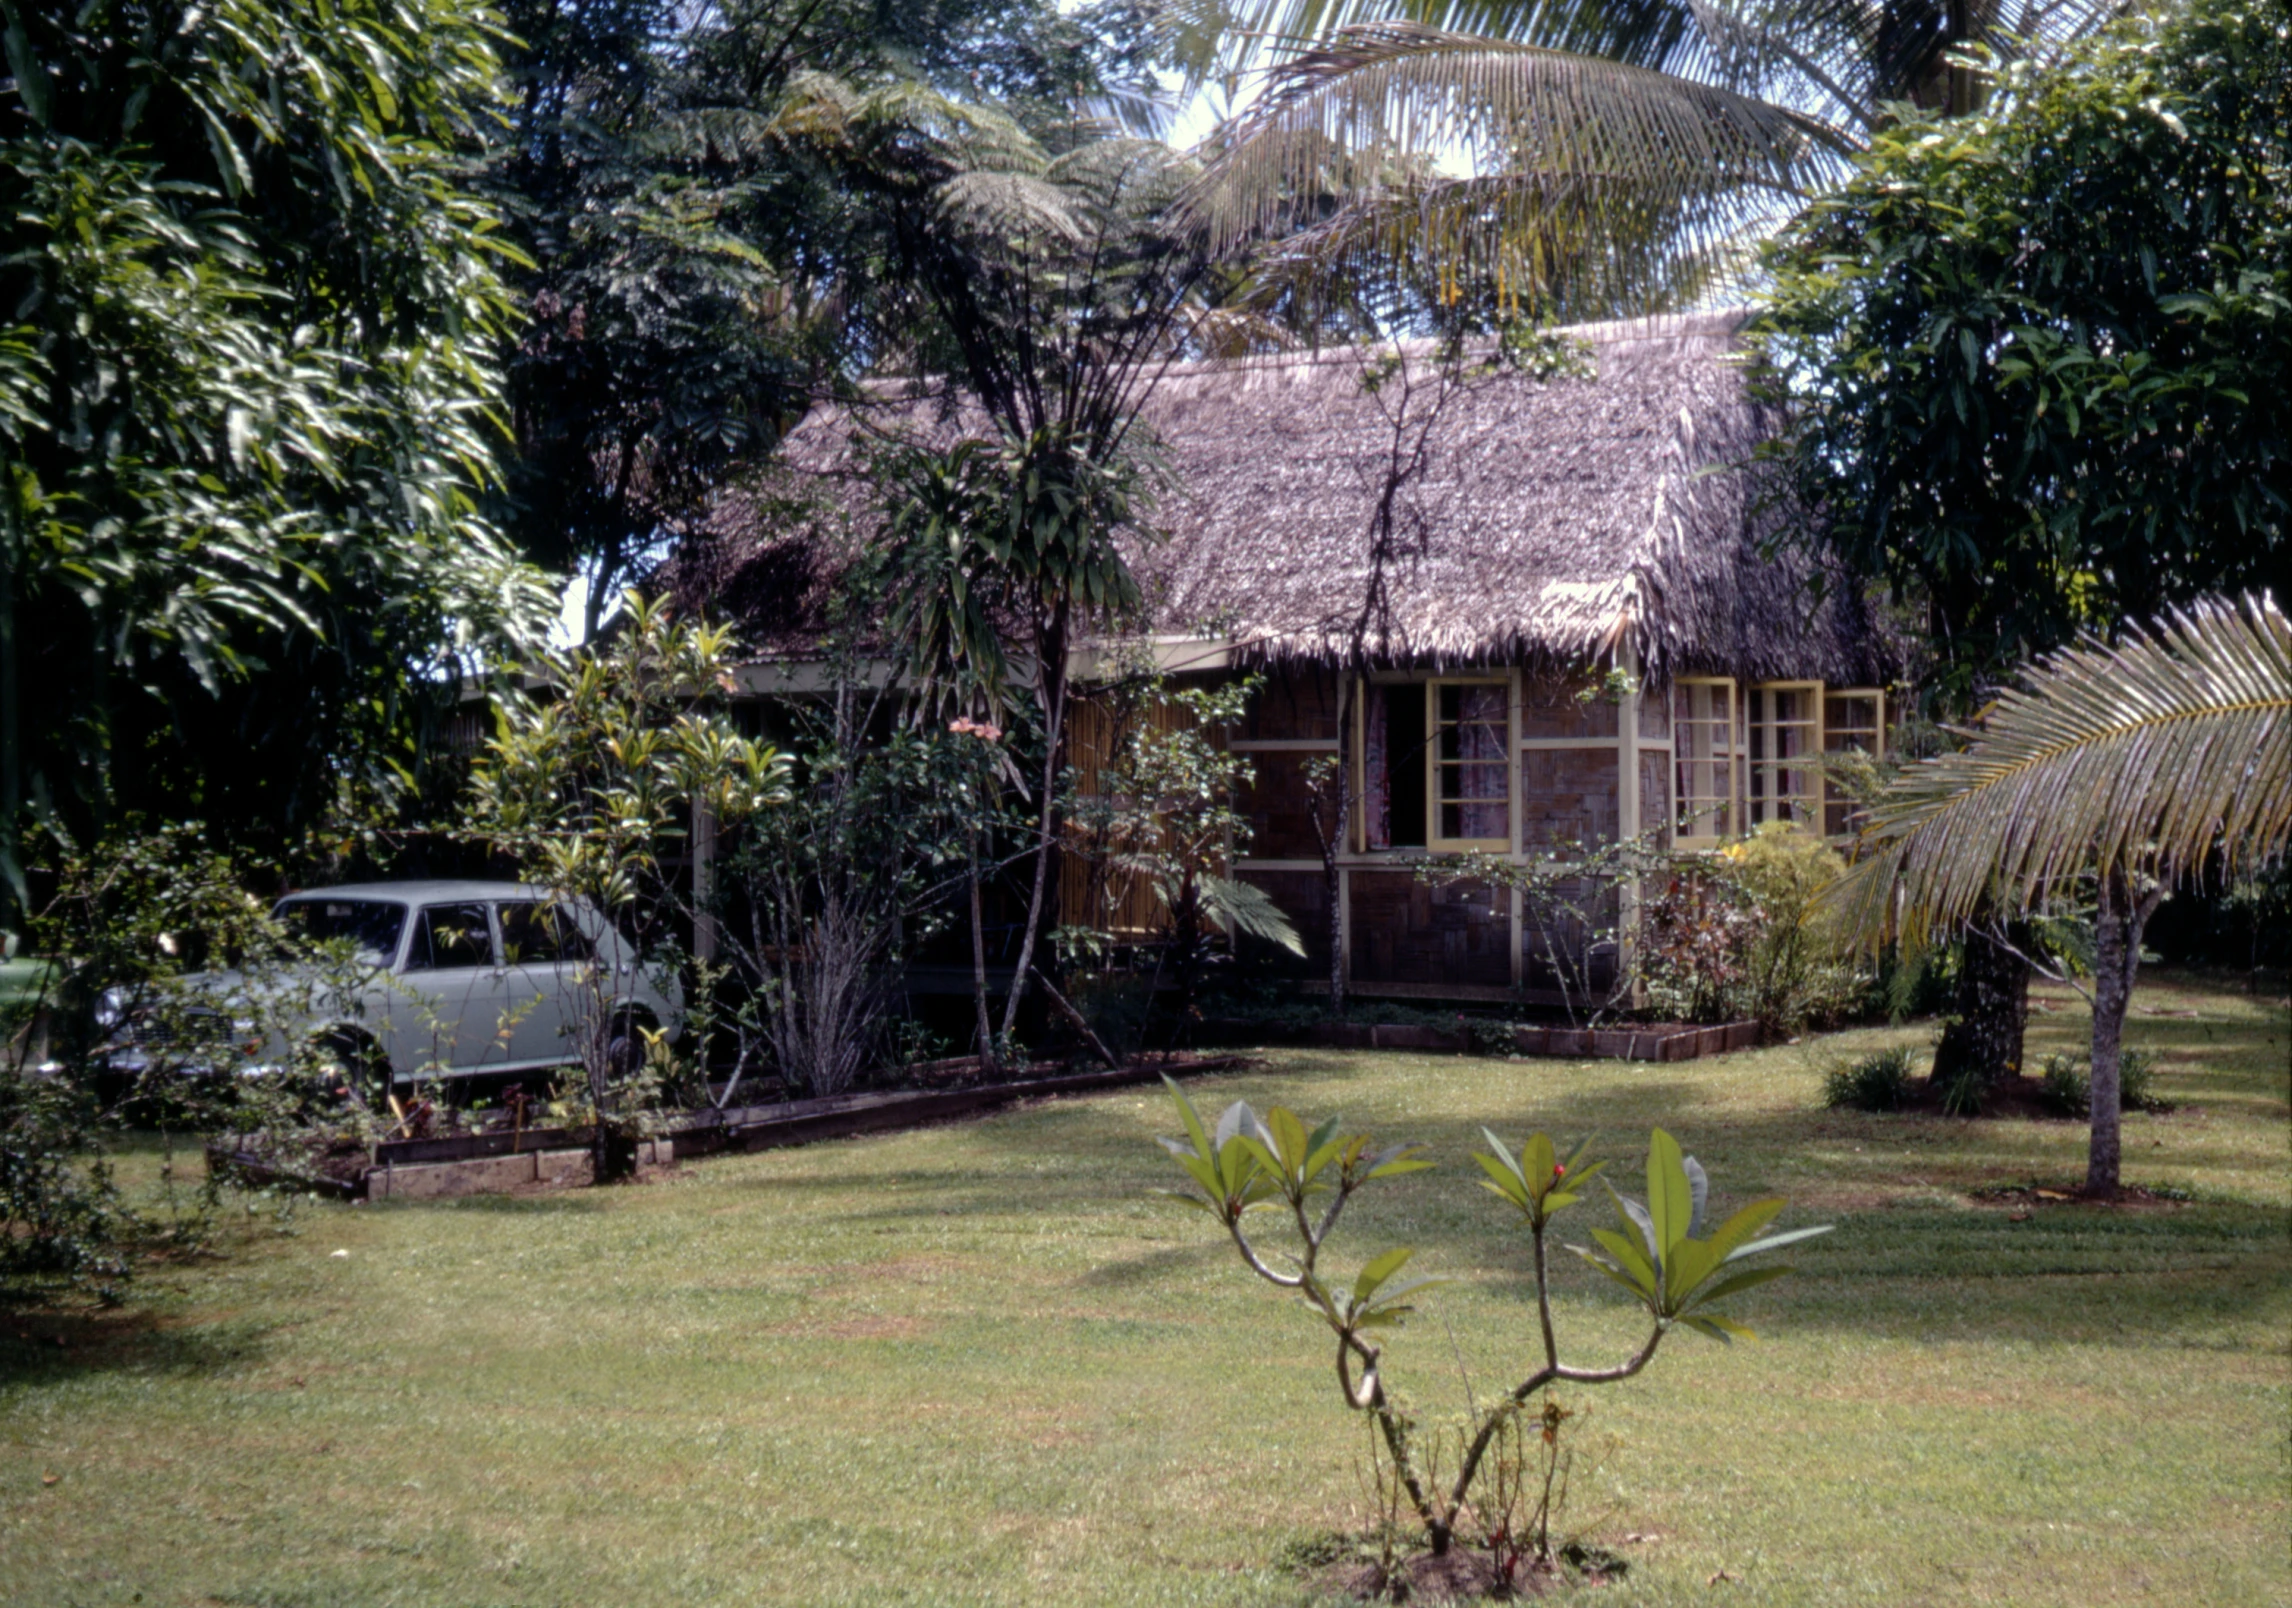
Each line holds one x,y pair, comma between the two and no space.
1560,520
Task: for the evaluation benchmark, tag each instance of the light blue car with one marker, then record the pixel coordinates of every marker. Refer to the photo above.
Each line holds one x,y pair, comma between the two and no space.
468,980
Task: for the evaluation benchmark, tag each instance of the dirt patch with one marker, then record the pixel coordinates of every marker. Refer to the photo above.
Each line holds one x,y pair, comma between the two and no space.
2018,1099
2024,1199
1346,1567
1456,1576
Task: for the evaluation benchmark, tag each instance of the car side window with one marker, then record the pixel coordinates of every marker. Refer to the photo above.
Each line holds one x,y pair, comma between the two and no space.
535,934
451,937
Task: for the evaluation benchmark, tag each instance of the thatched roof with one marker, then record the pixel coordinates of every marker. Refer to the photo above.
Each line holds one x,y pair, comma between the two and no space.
1558,519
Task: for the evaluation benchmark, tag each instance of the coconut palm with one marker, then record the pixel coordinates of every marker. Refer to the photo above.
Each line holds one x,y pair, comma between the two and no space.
2114,773
1580,155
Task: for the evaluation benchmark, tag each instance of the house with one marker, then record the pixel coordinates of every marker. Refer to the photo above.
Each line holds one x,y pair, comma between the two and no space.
1584,634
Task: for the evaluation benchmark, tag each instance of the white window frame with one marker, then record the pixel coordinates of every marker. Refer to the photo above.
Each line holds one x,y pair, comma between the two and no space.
1833,799
1700,819
1506,747
1769,769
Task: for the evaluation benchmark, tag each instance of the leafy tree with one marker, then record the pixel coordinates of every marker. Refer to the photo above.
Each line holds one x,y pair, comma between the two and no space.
2034,361
698,279
590,784
1060,293
1163,817
2035,355
2116,773
243,404
1578,157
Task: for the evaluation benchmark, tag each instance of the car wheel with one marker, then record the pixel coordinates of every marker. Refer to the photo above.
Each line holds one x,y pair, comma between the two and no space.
625,1048
365,1069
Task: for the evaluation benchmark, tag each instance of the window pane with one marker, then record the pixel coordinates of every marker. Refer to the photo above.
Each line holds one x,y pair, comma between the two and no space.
1473,780
451,938
1702,737
535,934
1850,726
371,926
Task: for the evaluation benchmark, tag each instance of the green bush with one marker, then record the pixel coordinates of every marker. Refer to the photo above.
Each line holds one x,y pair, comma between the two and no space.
1743,933
2067,1083
1875,1083
1489,1035
1965,1094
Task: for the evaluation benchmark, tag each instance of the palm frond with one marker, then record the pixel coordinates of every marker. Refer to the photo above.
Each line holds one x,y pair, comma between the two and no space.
2167,753
1251,910
1674,131
1587,156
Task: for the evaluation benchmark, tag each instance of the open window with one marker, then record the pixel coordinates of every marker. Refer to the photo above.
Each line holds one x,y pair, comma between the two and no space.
1853,722
1786,740
1437,765
1703,756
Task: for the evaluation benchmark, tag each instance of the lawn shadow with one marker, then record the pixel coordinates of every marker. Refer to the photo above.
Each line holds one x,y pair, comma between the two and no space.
43,1345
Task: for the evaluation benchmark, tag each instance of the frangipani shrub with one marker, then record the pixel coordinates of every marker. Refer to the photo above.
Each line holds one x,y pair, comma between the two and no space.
1296,1181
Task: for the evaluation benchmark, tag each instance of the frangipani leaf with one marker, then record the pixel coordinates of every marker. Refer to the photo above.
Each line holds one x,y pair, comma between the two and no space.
1776,1242
1379,1270
1734,1283
1670,1199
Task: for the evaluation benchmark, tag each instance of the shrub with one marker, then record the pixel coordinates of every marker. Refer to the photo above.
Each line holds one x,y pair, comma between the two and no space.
1695,943
1489,1035
1796,977
1875,1083
1297,1180
1743,933
1964,1094
2067,1083
59,1214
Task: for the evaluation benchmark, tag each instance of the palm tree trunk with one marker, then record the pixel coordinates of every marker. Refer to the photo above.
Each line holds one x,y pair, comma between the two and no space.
1991,1011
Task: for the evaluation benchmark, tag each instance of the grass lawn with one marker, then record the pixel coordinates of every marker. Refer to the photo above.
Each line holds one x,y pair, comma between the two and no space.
976,1364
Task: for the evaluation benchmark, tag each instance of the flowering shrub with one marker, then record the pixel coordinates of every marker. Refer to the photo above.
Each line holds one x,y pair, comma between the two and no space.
1742,933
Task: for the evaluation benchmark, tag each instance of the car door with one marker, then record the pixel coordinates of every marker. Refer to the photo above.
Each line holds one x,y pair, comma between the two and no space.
546,958
455,994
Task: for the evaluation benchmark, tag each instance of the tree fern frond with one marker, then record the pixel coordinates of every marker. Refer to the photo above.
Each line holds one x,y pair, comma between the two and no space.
1017,204
2167,753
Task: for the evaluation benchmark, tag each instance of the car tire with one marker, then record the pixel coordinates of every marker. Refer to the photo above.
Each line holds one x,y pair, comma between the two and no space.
625,1048
366,1070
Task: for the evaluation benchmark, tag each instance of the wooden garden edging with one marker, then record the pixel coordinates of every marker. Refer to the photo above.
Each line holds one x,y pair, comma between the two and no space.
1660,1041
487,1163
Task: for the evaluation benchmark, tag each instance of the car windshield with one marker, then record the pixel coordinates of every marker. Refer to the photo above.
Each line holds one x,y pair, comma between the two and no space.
371,926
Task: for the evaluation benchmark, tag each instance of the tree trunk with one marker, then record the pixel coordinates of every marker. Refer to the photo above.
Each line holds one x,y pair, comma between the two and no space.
2116,957
1991,1010
1050,684
984,1033
1333,845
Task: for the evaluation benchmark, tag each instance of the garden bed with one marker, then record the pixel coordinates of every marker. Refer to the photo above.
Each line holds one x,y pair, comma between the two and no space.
504,1160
